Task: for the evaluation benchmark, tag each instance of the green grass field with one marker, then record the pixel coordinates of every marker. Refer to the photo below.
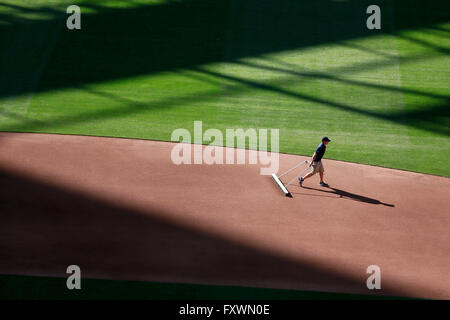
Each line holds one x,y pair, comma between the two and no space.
141,69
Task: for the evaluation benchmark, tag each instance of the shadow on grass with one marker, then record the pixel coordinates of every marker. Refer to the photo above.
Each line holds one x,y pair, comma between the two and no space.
121,42
433,118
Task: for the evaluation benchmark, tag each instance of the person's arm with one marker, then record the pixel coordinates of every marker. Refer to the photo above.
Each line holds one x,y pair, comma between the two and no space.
313,158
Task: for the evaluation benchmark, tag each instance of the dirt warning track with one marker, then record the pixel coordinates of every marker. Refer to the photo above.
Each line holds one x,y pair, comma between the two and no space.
120,209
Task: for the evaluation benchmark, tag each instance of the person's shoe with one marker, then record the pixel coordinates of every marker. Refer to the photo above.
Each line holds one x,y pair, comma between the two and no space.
323,184
300,181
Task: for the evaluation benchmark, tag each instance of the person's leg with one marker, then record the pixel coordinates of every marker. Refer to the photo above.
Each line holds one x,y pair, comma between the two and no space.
309,175
321,172
312,172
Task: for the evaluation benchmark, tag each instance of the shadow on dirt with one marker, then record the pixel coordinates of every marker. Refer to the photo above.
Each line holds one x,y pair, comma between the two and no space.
351,196
44,229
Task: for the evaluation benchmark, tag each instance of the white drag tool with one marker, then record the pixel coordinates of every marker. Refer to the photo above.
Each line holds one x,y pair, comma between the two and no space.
280,184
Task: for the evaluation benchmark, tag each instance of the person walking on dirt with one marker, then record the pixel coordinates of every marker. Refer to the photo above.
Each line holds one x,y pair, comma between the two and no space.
316,163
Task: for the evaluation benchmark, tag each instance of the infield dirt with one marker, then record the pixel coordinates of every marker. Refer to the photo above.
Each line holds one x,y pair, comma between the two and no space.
120,209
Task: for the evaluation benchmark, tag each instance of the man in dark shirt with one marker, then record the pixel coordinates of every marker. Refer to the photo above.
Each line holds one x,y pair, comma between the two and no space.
316,163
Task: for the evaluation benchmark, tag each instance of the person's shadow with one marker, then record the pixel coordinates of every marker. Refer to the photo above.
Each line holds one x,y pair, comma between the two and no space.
352,196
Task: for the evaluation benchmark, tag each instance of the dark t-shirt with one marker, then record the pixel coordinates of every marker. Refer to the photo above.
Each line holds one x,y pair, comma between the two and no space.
320,151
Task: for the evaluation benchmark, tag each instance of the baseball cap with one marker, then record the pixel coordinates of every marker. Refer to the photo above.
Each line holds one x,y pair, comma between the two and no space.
326,139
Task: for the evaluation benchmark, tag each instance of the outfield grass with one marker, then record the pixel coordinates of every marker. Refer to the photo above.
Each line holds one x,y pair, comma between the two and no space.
144,68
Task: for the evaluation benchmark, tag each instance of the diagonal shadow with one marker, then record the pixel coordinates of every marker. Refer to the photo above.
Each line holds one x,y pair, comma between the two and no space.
424,43
331,77
370,65
352,196
44,228
367,50
433,118
117,43
27,80
437,28
400,118
132,107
